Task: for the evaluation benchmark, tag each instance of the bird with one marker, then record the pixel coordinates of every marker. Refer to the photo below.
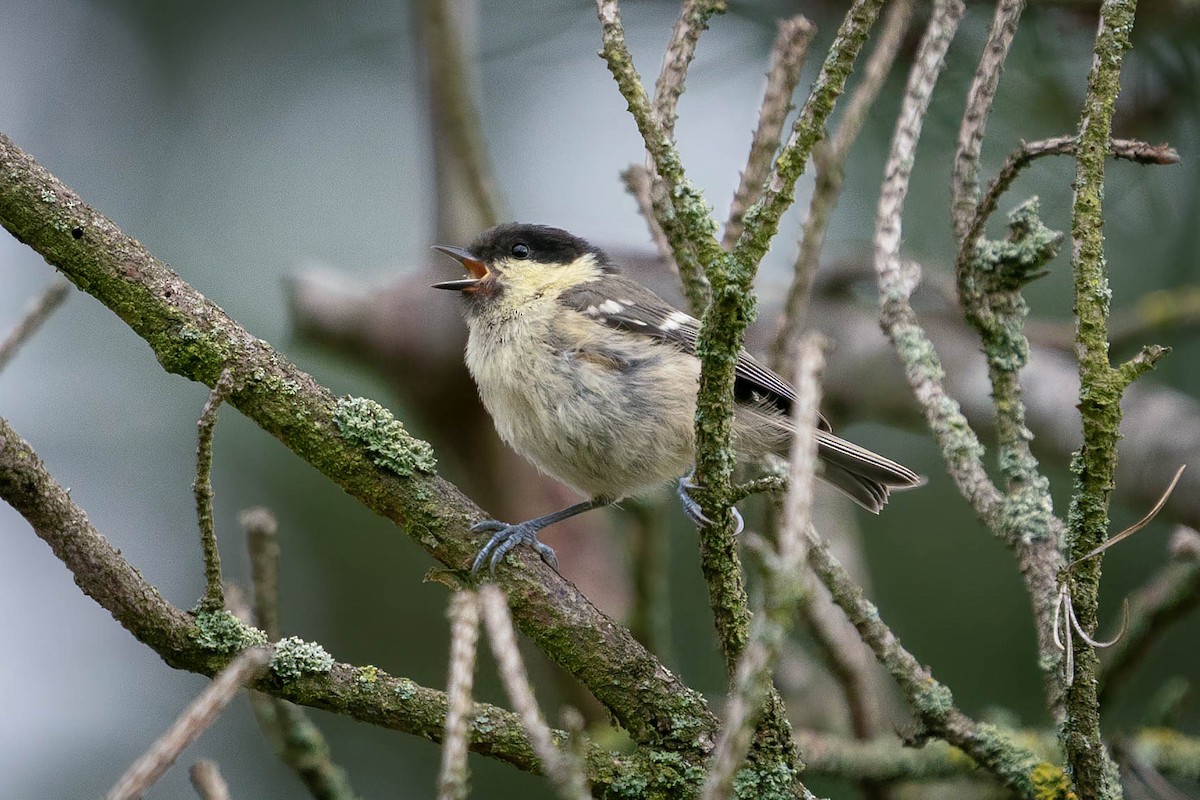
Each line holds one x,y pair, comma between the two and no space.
593,378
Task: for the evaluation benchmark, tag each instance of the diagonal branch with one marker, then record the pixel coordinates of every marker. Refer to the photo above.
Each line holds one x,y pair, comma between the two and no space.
380,465
366,694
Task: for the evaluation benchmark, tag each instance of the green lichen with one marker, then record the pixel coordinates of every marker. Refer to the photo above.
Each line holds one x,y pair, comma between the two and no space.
294,657
366,423
222,632
670,776
405,689
367,676
1051,783
778,782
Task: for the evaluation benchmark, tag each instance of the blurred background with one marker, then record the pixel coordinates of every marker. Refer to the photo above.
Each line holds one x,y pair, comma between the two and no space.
280,157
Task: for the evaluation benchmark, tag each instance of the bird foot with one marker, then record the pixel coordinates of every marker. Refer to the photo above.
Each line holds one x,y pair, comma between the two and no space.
505,538
692,508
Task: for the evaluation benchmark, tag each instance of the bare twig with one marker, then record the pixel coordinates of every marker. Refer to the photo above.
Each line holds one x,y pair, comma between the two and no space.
297,741
964,184
196,719
787,60
829,161
1027,152
897,281
565,774
639,182
453,780
1167,596
38,312
465,175
785,589
206,778
214,593
1012,764
262,542
693,20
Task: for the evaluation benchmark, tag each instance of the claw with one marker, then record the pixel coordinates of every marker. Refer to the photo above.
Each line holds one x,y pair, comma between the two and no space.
692,508
504,539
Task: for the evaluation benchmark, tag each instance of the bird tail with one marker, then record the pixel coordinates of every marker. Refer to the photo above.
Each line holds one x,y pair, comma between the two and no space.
863,476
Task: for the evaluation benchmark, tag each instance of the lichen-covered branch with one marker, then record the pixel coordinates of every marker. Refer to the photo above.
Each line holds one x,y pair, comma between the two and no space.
356,443
693,20
1101,386
829,161
964,184
214,591
367,694
787,59
1012,764
783,572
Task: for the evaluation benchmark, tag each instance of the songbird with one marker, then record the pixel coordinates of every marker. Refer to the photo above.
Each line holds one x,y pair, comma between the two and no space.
593,378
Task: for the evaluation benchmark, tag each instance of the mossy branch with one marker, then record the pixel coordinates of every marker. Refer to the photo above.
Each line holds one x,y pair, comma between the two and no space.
1101,386
388,473
301,672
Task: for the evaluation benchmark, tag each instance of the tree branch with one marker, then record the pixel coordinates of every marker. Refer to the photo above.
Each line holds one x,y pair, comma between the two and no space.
1093,771
351,442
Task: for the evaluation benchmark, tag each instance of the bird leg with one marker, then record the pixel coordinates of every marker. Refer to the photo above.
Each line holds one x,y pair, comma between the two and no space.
507,536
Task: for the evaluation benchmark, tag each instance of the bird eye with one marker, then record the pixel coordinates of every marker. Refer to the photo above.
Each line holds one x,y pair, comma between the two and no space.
520,250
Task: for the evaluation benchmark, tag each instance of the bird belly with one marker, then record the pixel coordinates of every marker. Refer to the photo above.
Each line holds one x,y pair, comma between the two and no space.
569,412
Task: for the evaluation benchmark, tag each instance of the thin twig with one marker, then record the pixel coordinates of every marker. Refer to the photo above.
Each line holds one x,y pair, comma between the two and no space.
462,157
1167,596
37,313
693,20
453,780
897,281
1012,764
639,182
195,720
829,163
964,184
214,594
787,60
785,589
297,741
1027,152
565,774
262,543
206,778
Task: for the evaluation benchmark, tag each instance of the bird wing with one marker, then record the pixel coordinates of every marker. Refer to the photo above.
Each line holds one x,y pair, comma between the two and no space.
624,304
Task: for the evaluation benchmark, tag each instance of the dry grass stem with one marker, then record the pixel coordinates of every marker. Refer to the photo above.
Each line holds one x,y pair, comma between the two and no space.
453,780
195,720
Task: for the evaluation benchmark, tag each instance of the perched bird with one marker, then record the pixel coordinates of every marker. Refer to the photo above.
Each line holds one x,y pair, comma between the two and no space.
593,378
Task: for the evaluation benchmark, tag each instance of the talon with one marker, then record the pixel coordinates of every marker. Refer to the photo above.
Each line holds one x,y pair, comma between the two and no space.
693,510
504,540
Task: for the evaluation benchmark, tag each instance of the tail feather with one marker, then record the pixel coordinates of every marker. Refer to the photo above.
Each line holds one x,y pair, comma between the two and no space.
865,477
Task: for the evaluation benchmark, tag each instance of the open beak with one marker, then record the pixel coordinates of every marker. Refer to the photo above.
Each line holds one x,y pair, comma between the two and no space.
475,268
